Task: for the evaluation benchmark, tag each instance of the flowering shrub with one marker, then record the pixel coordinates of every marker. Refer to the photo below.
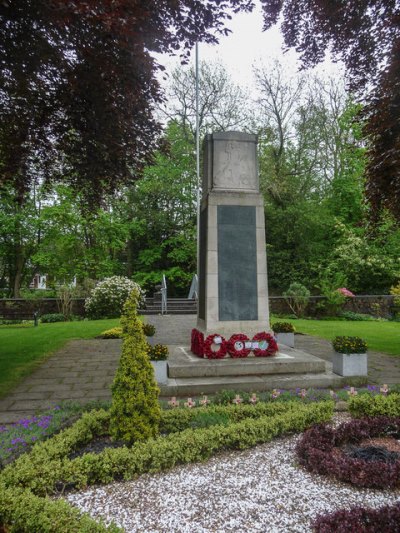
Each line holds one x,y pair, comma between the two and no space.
21,435
283,327
158,352
107,299
349,345
318,451
346,292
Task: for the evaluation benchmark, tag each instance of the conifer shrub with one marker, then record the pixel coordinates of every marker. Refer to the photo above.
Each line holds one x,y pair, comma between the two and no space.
135,411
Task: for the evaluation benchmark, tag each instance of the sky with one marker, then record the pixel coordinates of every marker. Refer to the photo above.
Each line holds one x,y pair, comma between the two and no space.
247,46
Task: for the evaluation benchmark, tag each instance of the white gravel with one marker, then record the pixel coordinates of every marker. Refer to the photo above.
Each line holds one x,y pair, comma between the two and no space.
258,490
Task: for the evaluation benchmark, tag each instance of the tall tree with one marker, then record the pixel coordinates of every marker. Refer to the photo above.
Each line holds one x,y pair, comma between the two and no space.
222,103
78,81
365,35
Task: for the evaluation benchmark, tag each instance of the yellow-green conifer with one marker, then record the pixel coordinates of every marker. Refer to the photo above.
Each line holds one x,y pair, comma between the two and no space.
135,411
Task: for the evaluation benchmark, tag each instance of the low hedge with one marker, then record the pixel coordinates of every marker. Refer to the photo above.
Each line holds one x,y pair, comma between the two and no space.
181,418
316,452
22,511
360,520
366,405
47,470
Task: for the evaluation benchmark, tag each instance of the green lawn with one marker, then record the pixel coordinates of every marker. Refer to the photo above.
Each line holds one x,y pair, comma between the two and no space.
22,349
380,336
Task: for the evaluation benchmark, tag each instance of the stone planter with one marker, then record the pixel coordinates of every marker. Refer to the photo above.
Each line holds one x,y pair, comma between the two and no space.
151,340
160,371
285,338
353,364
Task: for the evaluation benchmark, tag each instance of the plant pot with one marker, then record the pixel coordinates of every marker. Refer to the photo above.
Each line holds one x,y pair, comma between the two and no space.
151,340
354,364
285,338
160,371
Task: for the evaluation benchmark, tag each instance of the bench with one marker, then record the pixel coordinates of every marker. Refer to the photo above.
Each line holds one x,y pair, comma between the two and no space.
19,314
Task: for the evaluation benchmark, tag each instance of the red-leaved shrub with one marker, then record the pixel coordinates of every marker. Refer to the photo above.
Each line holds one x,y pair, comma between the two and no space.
318,451
360,520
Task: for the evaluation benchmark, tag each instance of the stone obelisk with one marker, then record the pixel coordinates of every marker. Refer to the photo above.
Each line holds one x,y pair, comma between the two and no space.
233,290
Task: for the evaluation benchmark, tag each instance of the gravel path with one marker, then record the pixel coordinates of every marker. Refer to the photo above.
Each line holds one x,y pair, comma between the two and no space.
258,490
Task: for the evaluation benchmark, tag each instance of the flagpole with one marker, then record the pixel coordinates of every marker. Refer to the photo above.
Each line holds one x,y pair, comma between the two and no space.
197,155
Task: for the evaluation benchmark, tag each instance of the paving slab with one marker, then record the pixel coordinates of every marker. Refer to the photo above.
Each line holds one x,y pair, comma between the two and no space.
83,370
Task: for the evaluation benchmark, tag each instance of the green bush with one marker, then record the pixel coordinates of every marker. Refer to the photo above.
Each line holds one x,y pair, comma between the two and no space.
113,333
21,511
366,405
49,318
283,327
107,299
350,315
149,330
135,411
297,296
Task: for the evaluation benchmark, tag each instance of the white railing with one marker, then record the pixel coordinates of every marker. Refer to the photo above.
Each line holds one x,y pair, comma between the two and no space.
194,288
164,296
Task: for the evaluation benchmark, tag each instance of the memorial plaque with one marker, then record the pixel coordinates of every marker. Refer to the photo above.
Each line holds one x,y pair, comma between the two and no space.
202,264
237,263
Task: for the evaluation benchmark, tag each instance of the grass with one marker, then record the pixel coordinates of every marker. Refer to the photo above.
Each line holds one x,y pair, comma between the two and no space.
23,348
381,336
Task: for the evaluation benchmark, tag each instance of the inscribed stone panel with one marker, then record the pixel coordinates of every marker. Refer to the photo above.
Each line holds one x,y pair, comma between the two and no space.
237,263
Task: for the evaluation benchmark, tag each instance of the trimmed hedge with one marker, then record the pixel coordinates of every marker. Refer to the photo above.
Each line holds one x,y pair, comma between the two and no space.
366,405
360,520
181,418
47,470
315,451
22,511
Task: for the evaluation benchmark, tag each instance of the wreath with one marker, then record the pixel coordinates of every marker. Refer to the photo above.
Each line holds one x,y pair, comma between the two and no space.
209,352
197,342
237,346
271,345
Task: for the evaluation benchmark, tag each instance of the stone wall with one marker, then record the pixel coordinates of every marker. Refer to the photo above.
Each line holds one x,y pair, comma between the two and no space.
43,305
376,305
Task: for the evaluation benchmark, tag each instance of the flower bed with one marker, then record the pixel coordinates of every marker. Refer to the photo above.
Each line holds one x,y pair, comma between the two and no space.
319,451
47,469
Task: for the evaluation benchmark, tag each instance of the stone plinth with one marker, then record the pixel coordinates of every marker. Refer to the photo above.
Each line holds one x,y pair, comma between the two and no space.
233,293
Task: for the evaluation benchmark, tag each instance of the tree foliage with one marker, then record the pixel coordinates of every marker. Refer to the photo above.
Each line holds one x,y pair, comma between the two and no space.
78,84
366,36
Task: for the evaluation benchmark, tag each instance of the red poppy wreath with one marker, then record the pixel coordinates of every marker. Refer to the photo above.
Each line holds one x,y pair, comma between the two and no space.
237,346
209,343
267,345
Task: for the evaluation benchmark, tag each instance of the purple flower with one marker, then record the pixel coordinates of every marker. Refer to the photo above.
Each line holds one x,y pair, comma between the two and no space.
18,440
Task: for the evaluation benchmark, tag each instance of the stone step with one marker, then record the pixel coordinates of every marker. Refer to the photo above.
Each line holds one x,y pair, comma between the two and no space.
211,385
183,364
157,311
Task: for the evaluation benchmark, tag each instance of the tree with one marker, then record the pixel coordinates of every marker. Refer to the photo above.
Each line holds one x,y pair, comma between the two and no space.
78,84
365,35
161,213
222,103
